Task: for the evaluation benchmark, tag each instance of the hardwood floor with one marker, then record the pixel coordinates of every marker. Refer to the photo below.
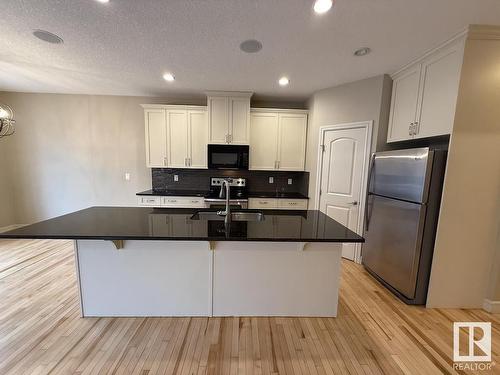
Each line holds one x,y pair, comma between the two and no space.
41,331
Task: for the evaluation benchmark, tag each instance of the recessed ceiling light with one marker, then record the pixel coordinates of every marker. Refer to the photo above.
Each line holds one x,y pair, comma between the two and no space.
251,46
322,6
169,77
102,1
47,36
284,81
362,51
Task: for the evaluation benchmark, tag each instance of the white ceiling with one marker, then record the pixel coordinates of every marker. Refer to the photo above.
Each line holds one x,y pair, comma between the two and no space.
124,47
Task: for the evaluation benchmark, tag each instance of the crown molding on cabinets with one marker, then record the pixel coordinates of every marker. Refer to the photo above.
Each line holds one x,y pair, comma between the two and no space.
460,35
241,94
175,106
279,110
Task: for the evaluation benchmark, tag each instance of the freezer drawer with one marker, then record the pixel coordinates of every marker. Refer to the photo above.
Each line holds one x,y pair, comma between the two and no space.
393,242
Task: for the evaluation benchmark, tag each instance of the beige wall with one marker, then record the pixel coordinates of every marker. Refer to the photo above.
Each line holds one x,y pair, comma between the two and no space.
467,237
6,192
364,100
71,152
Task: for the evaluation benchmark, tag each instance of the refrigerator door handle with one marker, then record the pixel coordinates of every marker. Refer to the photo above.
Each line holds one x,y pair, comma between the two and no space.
370,174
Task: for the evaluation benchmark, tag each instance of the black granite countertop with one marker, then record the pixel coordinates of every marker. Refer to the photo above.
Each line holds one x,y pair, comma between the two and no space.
142,223
204,193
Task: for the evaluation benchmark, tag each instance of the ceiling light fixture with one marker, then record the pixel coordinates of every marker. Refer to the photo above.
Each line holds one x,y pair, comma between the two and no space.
284,81
169,77
322,6
48,37
362,51
251,46
103,1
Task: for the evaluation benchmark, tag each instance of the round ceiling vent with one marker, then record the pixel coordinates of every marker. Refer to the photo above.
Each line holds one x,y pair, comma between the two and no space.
362,51
47,36
251,46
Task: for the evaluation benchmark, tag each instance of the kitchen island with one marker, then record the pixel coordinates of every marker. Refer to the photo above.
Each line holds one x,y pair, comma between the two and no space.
134,261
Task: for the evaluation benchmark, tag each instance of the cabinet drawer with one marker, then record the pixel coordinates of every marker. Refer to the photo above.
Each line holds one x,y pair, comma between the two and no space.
150,201
256,203
188,202
292,204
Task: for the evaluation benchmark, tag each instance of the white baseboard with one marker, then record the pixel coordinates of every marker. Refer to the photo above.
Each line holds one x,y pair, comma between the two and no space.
11,227
491,306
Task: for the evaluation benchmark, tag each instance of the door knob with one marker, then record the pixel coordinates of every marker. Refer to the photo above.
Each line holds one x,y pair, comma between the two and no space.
355,203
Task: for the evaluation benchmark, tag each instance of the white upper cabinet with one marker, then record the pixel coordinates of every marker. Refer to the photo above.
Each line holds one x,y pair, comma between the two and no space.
198,138
176,136
155,126
229,117
278,139
424,94
440,80
264,140
403,104
292,144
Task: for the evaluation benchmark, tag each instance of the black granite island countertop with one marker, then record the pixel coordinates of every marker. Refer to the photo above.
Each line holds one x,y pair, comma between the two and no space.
142,223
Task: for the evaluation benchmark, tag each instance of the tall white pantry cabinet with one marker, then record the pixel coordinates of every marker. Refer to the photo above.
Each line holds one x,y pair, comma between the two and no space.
424,94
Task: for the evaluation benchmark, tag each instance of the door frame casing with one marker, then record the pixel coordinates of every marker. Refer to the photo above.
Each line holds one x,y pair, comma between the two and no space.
368,125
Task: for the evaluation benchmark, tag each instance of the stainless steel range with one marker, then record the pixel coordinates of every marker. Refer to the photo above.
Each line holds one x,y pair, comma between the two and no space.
238,196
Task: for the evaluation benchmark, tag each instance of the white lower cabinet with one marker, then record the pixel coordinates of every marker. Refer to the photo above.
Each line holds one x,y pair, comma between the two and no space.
172,202
149,201
277,203
262,203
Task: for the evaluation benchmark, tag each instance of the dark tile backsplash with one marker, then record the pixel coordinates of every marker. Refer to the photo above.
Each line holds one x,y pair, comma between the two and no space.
257,181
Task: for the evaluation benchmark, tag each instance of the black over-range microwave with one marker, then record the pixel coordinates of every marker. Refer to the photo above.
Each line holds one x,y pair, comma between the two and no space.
228,156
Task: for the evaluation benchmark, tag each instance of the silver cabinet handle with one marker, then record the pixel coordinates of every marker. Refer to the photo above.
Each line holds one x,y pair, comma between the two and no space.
263,202
292,203
416,128
410,129
172,200
355,203
164,160
278,164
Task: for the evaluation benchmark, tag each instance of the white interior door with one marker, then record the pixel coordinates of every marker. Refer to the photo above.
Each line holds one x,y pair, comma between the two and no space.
342,172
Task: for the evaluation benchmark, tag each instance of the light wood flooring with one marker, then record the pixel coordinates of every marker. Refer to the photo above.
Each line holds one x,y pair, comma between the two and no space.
41,331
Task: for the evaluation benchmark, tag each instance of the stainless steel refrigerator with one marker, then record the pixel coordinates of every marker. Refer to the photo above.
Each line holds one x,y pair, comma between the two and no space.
401,215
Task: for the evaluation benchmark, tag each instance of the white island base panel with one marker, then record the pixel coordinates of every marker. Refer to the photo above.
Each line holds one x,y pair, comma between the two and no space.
198,278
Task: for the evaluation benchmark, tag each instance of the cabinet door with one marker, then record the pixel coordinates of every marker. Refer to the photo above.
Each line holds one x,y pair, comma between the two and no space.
438,96
177,138
198,139
156,138
292,144
264,140
239,124
218,120
403,104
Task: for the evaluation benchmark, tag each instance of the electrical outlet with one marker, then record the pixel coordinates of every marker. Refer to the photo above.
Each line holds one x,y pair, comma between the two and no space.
127,176
290,181
176,177
271,180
